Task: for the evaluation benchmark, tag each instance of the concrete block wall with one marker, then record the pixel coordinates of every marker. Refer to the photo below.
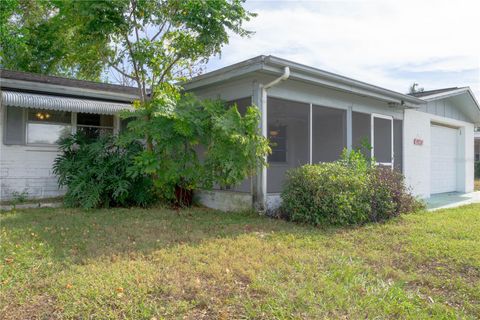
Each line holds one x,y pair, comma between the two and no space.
26,168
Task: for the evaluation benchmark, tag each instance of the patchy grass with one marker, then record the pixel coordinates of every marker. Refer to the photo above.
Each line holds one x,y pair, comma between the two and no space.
198,263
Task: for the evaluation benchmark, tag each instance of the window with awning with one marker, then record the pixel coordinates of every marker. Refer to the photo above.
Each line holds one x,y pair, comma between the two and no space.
33,119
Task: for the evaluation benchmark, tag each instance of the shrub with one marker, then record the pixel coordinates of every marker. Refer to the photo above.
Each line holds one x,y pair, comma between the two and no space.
389,197
349,191
96,173
477,170
196,144
325,193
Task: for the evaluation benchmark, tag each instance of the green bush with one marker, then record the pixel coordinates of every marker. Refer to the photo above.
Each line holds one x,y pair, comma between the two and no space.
477,170
345,192
96,173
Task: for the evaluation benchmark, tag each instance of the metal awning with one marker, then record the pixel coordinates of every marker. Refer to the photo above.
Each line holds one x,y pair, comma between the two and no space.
39,101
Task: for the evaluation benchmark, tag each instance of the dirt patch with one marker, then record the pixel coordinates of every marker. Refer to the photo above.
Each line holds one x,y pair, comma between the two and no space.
39,307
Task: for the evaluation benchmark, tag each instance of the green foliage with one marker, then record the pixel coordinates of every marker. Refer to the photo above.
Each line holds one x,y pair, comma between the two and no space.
36,36
19,198
196,143
147,42
352,190
96,173
477,169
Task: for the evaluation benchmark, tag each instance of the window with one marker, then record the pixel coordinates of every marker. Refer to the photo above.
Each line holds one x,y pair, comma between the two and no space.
47,127
277,134
94,125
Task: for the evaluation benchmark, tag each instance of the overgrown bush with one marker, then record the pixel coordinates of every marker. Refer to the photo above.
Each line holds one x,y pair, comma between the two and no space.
349,191
194,143
96,173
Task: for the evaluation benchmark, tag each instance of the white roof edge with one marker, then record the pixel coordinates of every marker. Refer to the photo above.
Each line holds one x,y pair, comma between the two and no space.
445,94
452,93
39,101
274,64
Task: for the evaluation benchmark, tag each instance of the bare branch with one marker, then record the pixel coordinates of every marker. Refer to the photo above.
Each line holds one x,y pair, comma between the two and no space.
167,70
160,31
123,73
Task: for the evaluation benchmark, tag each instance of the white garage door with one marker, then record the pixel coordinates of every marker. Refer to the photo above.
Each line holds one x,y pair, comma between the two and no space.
444,159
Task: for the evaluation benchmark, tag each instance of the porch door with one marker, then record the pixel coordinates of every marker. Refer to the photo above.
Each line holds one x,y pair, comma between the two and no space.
382,140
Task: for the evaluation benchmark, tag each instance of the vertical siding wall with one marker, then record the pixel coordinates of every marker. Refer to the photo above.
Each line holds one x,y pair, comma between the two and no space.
26,168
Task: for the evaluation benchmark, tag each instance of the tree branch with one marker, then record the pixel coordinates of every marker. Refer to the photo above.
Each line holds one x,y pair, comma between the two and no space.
123,73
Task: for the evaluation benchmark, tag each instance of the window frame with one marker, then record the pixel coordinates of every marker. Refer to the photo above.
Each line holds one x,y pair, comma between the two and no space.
72,124
390,164
27,121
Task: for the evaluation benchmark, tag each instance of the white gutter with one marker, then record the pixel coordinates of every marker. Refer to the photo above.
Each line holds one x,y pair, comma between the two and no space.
263,183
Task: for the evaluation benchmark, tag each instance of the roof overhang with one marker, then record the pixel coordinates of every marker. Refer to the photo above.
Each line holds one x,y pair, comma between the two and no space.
275,66
464,97
47,88
39,101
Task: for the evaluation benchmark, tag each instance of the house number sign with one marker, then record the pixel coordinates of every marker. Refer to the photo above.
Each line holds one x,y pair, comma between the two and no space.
418,142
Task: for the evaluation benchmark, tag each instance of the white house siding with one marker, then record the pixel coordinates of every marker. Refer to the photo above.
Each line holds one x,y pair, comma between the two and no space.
26,168
444,108
29,168
417,159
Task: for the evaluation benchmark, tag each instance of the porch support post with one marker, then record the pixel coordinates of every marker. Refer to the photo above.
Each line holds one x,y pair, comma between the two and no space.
349,128
259,182
310,133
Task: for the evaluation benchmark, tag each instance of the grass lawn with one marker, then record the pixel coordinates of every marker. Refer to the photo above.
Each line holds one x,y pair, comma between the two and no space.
198,263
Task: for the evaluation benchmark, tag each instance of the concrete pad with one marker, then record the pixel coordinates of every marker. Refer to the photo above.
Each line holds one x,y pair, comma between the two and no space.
451,200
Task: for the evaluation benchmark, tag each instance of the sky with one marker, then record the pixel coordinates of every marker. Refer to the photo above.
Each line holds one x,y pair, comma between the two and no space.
391,44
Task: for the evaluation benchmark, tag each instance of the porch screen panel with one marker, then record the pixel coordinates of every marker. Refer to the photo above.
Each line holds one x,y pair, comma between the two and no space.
398,144
245,185
15,126
361,131
382,140
329,133
288,132
242,104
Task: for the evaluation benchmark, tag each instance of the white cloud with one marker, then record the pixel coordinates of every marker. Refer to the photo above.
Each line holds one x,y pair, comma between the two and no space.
388,43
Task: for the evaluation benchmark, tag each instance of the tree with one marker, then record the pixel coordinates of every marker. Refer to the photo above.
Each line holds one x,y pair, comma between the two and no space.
35,37
414,88
155,44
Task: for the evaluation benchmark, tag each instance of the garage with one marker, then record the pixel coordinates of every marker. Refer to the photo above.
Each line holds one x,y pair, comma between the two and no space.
444,156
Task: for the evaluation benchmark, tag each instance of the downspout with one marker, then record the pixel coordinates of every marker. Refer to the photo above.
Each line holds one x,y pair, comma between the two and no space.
262,193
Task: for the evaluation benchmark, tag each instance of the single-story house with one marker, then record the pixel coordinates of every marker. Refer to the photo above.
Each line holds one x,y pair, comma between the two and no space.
308,114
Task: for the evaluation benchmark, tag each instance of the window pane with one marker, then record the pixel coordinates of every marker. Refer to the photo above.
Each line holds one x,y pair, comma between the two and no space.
382,130
242,104
93,132
90,119
15,126
43,133
277,136
41,115
329,134
361,123
291,120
